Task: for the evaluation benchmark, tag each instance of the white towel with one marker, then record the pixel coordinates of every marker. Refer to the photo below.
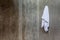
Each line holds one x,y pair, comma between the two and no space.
45,18
45,15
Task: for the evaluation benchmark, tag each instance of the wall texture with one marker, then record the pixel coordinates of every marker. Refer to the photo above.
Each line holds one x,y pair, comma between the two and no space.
8,20
21,20
31,20
33,12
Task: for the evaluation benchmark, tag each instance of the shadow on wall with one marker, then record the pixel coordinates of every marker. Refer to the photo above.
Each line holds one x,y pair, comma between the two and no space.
8,20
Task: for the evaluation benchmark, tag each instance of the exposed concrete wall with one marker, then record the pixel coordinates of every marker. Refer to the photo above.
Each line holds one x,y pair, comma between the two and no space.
8,20
21,20
31,20
32,13
54,10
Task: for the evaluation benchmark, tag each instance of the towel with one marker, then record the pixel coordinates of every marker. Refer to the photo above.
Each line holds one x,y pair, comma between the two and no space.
45,18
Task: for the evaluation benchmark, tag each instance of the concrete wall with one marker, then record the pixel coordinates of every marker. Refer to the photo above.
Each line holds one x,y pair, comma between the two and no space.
33,12
31,20
21,20
8,20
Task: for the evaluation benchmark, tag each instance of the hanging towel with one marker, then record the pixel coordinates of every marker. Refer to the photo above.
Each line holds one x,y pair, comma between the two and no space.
45,15
45,18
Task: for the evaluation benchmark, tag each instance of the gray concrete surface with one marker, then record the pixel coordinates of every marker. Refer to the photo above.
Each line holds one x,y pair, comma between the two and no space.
54,31
34,32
